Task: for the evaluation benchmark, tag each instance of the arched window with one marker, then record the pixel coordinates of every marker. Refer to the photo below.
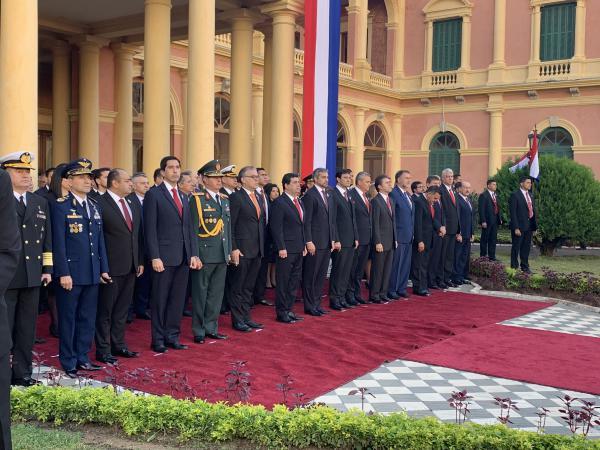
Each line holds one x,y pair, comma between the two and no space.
375,146
297,150
444,153
342,146
556,141
222,130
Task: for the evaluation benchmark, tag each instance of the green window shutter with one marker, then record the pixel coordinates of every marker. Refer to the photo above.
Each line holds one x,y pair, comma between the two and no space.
447,44
444,153
557,35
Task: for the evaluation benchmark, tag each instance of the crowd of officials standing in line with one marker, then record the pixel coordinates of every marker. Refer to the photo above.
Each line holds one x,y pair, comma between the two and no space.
100,247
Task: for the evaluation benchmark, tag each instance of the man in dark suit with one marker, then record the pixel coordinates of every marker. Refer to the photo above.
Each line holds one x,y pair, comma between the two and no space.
341,261
489,219
44,191
362,214
522,224
435,265
424,232
124,246
404,219
452,236
261,279
467,230
287,229
10,248
80,265
34,269
320,231
248,244
99,177
230,185
383,240
173,249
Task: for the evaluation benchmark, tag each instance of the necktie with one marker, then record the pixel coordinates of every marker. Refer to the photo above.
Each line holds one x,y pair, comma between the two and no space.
21,206
218,200
529,205
431,211
389,204
495,203
325,199
177,201
128,220
408,199
299,208
255,203
86,214
346,195
452,196
367,202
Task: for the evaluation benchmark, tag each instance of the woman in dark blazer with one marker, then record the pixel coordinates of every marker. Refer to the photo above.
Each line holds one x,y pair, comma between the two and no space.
271,192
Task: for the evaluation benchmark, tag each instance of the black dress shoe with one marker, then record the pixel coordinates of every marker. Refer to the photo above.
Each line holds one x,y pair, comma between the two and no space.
346,305
265,303
360,301
351,302
295,317
159,348
198,339
323,311
187,313
385,299
39,340
177,346
242,327
106,359
144,316
336,307
216,336
422,293
28,381
129,320
376,301
72,373
255,325
434,286
313,313
89,367
443,285
404,295
53,331
287,320
125,353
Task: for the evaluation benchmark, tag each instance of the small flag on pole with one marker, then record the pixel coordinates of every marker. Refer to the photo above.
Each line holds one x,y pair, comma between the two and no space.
530,159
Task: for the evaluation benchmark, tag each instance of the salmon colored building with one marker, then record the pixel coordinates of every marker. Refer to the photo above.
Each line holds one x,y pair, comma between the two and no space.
424,84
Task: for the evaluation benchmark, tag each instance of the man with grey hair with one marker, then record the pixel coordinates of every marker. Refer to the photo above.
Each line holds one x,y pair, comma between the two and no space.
451,218
362,210
467,219
186,183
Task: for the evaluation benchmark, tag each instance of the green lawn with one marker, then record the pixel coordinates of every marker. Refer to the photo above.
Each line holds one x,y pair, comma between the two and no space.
565,264
31,437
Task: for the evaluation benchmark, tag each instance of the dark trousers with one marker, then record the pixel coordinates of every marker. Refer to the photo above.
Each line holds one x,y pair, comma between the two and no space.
420,262
521,246
111,315
225,303
339,279
261,281
381,267
314,274
243,278
141,293
76,323
5,439
400,269
208,285
487,243
448,246
359,263
22,309
288,273
462,252
435,264
169,288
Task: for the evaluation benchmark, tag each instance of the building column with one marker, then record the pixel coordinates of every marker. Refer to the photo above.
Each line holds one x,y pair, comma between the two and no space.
19,76
496,69
536,17
184,112
495,151
580,30
358,18
395,159
399,32
257,125
465,43
356,160
89,98
282,95
240,130
199,124
61,101
123,137
267,99
157,82
429,47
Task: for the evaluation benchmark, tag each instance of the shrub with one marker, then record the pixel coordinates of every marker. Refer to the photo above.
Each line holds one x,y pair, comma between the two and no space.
317,426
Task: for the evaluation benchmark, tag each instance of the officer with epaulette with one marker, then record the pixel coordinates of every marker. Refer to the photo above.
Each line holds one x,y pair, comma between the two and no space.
80,265
35,265
211,223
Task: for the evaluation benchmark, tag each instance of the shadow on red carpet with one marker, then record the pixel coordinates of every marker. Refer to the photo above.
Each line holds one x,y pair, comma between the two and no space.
319,353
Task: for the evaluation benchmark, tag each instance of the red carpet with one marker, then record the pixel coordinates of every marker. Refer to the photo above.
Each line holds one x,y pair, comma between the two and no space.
542,357
320,353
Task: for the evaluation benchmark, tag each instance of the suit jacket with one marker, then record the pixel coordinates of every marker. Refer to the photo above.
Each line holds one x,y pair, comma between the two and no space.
168,236
123,247
486,209
320,222
362,215
450,210
404,216
424,228
519,212
384,228
439,220
344,219
466,214
46,193
10,247
287,228
247,229
136,201
35,257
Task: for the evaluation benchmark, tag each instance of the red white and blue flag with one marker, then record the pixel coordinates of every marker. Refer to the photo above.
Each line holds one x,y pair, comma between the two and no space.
530,159
321,76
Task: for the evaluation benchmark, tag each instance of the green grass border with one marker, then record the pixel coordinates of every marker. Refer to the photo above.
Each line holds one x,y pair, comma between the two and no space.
318,426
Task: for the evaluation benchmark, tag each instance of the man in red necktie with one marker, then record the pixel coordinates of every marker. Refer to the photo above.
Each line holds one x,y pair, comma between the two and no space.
489,219
523,223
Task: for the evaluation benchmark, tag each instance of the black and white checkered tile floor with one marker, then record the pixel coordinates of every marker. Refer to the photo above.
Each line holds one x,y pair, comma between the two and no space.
423,390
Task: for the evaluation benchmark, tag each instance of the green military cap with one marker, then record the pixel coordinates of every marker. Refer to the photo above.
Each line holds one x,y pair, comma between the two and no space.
229,171
211,169
17,160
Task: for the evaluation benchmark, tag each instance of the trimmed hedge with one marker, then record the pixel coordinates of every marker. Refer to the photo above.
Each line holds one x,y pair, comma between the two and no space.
318,426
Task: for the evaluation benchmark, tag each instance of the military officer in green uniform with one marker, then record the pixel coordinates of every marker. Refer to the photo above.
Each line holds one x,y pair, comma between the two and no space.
211,222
